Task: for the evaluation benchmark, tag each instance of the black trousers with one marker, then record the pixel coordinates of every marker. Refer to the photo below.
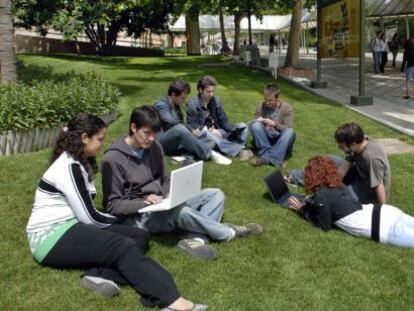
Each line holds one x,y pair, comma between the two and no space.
384,60
115,253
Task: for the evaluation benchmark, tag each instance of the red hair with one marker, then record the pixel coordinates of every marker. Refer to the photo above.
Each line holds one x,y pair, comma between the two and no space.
321,172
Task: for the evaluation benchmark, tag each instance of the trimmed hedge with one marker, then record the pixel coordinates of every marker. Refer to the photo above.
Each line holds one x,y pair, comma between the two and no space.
47,104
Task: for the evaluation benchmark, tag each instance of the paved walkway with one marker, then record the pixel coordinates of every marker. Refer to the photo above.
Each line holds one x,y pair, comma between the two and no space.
389,107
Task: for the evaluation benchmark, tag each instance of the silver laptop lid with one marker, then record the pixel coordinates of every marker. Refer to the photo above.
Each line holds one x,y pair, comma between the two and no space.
186,183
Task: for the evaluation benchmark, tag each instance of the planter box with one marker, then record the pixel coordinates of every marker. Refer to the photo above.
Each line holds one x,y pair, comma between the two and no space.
15,142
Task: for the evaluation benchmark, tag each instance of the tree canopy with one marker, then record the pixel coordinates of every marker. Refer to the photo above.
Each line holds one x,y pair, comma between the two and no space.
101,20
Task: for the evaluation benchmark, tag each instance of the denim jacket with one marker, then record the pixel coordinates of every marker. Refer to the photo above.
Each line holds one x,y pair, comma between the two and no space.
169,115
214,115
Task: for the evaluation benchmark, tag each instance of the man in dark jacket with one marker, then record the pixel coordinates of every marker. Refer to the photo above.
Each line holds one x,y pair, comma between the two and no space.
176,137
205,113
408,65
134,175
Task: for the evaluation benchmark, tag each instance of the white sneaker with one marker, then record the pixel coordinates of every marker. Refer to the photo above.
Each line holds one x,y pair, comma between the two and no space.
219,158
100,286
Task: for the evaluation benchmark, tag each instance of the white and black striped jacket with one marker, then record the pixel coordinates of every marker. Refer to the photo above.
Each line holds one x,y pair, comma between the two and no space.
65,193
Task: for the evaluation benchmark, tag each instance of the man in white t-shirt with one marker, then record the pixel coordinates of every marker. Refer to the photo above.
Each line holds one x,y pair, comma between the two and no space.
376,52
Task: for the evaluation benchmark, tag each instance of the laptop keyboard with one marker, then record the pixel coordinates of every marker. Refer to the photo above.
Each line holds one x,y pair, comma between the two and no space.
164,203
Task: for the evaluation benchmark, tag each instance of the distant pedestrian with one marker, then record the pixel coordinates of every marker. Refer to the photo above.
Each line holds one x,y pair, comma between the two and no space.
272,40
408,65
376,52
384,52
394,46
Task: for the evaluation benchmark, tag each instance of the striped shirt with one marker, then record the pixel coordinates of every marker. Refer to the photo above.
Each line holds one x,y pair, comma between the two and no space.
63,198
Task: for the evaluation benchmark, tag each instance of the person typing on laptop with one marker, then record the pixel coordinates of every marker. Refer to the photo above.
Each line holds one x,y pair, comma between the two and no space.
134,175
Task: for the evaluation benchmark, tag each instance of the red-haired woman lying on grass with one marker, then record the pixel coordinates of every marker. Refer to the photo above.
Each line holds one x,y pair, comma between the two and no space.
331,204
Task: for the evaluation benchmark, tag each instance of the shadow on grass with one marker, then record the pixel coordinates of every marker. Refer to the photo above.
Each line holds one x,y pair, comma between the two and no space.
165,239
230,77
124,63
127,89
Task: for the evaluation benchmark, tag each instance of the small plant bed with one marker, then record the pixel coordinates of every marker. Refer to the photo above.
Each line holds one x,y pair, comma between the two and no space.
32,111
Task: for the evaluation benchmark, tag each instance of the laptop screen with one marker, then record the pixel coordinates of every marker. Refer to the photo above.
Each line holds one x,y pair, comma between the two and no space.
276,185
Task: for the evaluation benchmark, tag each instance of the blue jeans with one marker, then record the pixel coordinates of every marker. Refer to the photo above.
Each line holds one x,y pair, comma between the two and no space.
179,137
377,57
226,146
402,231
200,215
271,147
358,187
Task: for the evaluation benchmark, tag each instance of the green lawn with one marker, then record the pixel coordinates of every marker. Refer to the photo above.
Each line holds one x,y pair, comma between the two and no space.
292,266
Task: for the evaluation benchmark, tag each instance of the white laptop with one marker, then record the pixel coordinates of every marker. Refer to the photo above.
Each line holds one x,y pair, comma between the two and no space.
185,184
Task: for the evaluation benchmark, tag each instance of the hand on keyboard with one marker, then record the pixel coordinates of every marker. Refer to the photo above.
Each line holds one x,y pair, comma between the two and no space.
152,199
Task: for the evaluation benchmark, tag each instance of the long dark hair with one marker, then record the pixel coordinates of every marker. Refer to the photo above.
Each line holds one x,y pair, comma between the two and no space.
69,140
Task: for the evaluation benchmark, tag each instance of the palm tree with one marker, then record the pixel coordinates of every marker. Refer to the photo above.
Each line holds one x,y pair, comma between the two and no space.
7,52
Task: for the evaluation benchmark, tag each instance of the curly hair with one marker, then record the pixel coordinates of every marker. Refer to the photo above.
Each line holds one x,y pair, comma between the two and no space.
321,172
69,140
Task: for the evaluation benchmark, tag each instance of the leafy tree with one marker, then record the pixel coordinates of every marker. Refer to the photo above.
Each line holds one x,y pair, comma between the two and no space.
296,7
101,20
246,8
7,53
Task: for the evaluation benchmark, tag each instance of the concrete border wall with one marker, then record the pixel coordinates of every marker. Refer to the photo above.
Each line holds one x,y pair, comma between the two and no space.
31,44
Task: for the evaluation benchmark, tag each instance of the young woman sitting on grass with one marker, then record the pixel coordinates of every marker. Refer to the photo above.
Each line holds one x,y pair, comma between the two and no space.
65,230
331,204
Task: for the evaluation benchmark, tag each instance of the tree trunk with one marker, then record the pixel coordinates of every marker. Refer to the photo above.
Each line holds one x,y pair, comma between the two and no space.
224,45
236,47
7,48
103,40
292,55
192,30
249,19
170,39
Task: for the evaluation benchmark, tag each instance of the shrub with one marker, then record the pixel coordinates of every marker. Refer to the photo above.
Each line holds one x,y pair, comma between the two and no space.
53,102
175,51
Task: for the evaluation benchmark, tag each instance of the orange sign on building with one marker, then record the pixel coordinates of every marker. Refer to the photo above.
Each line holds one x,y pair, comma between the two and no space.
339,29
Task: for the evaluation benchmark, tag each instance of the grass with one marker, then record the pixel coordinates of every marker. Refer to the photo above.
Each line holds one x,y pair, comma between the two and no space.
292,266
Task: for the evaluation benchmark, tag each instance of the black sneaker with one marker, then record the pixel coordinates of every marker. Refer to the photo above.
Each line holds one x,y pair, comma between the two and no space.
247,229
197,249
101,287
